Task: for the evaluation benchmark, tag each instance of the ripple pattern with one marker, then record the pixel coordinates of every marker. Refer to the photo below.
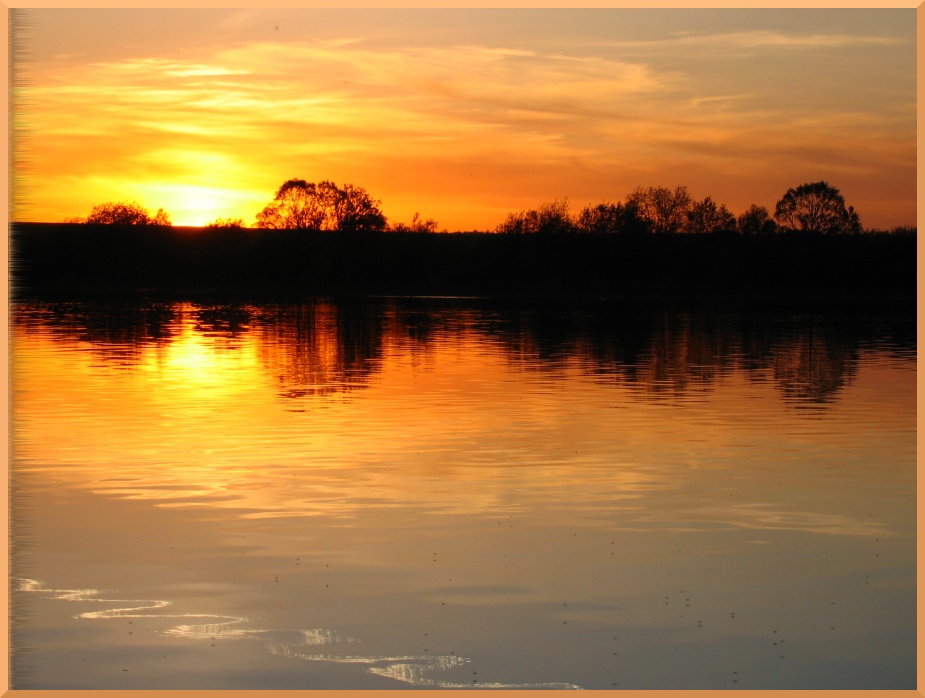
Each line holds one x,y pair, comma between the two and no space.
415,670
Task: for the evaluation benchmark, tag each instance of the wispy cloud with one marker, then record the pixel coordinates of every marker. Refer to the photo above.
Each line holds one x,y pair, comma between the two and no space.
762,39
249,115
153,66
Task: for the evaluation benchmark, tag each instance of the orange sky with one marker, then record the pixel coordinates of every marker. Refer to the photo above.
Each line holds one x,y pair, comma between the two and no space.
464,115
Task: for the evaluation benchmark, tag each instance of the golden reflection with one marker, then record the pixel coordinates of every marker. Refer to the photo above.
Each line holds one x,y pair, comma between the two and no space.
191,361
320,409
319,349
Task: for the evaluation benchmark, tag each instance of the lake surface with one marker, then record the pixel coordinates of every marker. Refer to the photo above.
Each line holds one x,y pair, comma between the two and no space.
430,493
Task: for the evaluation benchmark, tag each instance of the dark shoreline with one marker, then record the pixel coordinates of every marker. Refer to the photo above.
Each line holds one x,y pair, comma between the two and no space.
66,260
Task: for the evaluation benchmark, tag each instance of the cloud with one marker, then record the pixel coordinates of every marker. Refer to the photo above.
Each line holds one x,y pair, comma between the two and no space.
342,109
747,40
150,67
757,39
337,95
204,70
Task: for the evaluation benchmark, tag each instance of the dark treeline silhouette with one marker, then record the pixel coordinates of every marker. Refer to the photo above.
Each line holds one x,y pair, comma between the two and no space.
321,348
323,238
233,260
812,208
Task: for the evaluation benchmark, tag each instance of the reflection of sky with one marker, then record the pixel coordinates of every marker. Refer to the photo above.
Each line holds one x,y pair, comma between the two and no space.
549,525
421,670
201,420
466,115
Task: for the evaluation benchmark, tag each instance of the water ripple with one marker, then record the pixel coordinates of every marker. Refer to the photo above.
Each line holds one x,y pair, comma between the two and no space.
411,669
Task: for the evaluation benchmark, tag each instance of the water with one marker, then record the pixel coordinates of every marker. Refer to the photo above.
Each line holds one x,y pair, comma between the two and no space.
404,493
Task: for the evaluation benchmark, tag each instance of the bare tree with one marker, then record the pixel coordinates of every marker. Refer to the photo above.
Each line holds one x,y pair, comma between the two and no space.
664,209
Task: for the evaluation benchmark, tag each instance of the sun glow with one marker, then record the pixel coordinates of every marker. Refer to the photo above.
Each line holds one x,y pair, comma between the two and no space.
192,205
466,125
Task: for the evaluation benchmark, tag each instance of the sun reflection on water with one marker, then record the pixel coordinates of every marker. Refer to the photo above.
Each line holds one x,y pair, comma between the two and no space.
450,426
510,481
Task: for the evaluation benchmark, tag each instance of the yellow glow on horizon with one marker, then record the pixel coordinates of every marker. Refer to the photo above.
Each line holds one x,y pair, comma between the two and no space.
191,205
461,132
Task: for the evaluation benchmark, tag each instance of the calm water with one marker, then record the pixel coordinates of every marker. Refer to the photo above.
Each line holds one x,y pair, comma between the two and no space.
444,493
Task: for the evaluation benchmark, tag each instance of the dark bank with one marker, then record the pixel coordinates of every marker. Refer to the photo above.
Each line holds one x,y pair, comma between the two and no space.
68,257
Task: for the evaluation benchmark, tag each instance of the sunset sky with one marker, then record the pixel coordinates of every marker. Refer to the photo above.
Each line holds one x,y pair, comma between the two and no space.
464,115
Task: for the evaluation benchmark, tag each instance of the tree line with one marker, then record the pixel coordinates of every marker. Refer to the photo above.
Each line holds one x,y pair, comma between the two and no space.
813,207
297,205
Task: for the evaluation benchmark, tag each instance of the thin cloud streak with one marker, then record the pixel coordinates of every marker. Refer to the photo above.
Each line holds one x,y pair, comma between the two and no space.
750,40
252,115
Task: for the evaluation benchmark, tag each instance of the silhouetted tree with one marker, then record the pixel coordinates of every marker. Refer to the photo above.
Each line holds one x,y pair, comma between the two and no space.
417,225
161,218
665,210
612,218
324,206
356,210
706,217
513,224
816,207
756,221
123,213
226,223
549,218
296,205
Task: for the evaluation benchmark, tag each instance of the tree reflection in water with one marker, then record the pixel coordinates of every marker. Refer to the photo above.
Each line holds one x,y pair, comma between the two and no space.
323,348
317,349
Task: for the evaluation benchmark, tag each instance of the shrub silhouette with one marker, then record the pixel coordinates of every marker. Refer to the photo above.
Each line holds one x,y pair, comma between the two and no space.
226,223
549,218
756,221
708,217
612,218
123,213
417,225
